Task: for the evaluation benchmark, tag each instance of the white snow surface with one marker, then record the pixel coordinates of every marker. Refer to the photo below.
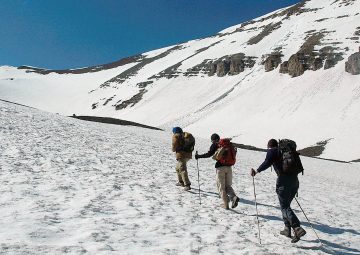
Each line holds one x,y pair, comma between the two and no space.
251,107
76,187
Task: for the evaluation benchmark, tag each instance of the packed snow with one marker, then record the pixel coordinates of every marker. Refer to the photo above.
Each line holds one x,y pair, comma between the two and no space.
76,187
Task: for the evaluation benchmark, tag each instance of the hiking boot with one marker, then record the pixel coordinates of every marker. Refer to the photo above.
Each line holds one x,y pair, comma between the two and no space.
180,184
187,188
298,232
225,206
286,232
235,202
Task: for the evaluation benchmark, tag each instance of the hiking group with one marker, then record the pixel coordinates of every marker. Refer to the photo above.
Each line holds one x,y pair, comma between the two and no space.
282,156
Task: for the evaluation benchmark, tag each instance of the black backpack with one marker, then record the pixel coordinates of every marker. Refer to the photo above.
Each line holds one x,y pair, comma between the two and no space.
291,163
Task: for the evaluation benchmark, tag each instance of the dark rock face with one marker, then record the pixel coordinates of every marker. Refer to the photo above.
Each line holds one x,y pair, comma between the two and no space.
306,58
169,73
344,2
309,59
356,36
295,65
300,62
329,63
294,10
200,69
272,61
133,70
357,32
132,101
222,68
321,20
315,64
353,64
109,99
231,65
267,30
236,66
284,67
94,105
144,84
173,71
212,69
297,9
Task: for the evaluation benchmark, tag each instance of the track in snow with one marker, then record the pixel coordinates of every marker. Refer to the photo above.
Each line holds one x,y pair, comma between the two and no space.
76,187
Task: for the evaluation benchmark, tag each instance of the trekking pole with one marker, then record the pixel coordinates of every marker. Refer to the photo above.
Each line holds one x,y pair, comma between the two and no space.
197,164
257,214
309,222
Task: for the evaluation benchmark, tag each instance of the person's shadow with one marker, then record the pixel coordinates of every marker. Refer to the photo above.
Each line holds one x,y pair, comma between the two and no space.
328,247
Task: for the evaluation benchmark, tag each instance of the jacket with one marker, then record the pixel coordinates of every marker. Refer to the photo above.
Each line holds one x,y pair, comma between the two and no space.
210,153
273,158
177,145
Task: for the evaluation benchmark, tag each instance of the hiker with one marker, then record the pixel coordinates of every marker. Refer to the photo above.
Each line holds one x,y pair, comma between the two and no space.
182,157
223,174
287,186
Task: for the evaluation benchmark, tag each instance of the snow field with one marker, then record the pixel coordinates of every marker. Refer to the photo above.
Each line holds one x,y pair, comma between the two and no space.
75,187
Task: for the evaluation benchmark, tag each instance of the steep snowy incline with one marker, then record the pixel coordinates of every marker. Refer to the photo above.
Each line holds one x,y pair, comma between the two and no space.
69,186
280,75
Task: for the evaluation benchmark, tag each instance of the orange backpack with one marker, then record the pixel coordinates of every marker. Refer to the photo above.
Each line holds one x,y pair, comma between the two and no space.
226,153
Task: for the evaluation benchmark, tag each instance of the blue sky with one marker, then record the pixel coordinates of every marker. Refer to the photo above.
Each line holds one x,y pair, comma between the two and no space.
60,34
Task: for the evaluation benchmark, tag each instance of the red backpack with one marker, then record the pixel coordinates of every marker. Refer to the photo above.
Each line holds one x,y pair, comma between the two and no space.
227,154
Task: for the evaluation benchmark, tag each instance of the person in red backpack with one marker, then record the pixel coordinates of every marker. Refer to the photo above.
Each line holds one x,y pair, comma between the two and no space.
223,173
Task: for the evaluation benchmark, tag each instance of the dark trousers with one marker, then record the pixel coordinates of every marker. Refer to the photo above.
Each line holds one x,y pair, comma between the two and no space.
286,189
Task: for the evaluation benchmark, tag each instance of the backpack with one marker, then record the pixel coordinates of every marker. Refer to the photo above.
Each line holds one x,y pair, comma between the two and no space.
188,142
226,153
291,163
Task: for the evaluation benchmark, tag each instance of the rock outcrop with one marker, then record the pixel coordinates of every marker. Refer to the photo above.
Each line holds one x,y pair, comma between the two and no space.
296,65
231,65
237,65
222,68
353,64
307,58
130,102
272,61
267,30
284,67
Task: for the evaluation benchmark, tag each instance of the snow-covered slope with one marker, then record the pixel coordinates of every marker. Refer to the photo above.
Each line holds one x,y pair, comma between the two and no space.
280,75
75,187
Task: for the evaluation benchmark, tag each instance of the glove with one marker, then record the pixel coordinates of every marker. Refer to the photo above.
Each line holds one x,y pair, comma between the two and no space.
196,156
253,172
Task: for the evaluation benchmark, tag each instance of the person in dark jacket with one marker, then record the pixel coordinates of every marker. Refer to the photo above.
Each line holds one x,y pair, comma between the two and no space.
223,175
286,188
